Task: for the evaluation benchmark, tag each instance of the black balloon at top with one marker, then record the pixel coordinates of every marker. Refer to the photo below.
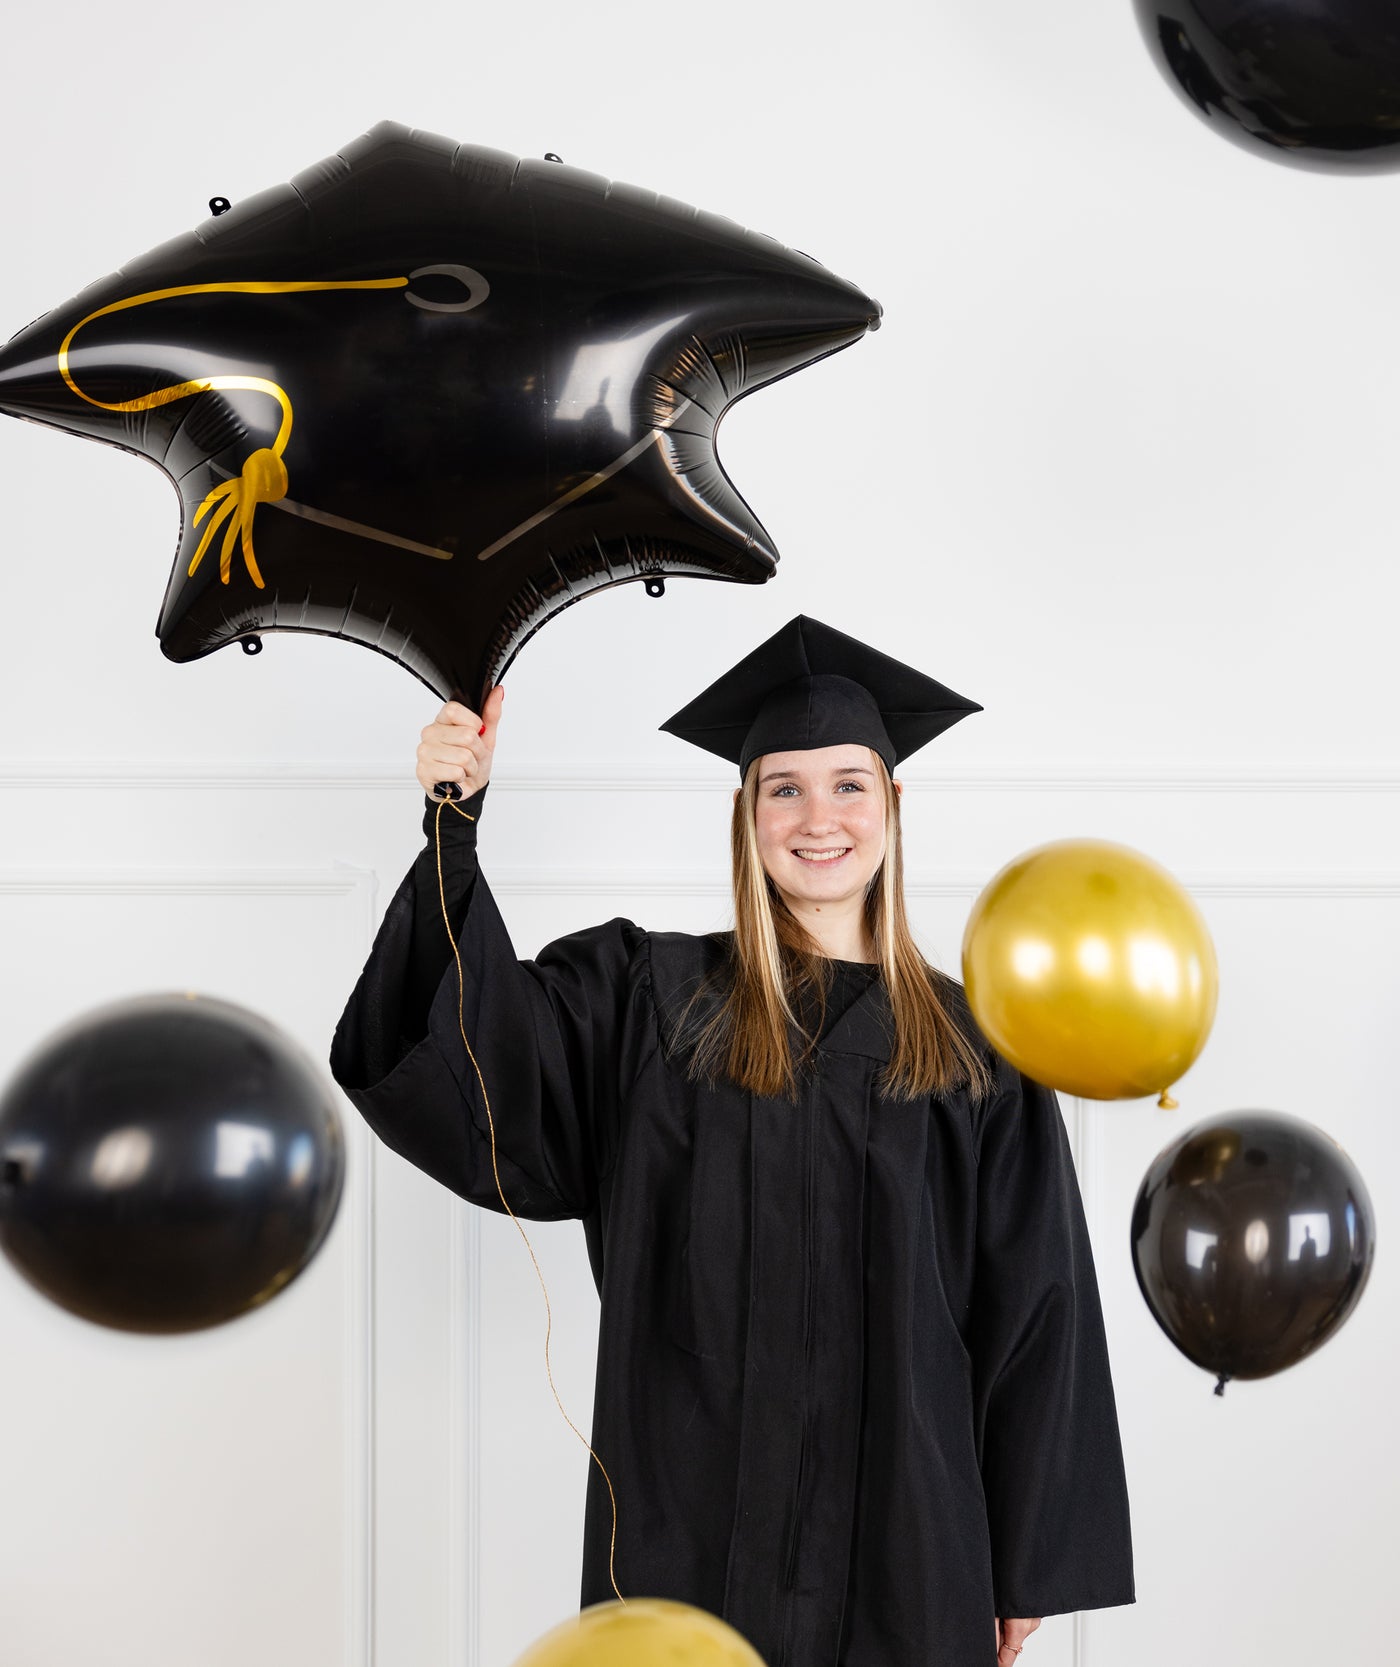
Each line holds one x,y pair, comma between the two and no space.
1312,82
426,395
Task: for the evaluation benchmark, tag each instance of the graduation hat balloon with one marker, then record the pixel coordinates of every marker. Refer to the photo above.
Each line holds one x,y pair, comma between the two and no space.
426,395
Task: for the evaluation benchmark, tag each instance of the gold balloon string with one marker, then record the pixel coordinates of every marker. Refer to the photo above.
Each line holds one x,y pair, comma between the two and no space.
264,475
444,804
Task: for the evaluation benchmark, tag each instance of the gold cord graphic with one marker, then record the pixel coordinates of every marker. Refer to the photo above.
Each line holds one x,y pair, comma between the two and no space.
264,476
443,804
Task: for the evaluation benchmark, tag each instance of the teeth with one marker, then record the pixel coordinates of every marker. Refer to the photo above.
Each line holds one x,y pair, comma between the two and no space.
822,856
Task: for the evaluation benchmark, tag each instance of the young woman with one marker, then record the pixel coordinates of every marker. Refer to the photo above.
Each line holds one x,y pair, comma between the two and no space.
852,1390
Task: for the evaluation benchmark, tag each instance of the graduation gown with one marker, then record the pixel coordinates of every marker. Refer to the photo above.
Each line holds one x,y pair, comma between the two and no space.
852,1383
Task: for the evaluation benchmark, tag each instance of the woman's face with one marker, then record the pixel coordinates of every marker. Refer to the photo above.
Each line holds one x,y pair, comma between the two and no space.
820,821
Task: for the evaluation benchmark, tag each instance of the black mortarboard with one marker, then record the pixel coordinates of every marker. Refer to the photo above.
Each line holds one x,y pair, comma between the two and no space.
812,686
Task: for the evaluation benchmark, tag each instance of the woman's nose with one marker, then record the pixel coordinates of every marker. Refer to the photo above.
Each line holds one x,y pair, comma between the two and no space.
818,816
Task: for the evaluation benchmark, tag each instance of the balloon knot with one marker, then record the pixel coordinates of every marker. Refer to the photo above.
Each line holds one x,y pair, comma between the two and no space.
265,477
1166,1102
1220,1383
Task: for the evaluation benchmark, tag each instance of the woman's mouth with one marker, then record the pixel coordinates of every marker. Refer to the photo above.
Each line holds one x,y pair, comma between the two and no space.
833,855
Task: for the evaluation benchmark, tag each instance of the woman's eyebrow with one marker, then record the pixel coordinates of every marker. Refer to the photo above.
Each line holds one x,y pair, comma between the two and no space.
792,775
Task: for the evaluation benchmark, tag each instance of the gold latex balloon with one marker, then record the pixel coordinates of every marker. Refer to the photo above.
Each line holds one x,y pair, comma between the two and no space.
1090,968
644,1632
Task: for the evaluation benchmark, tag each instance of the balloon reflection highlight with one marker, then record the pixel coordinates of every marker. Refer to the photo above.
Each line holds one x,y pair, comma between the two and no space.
122,1158
1091,969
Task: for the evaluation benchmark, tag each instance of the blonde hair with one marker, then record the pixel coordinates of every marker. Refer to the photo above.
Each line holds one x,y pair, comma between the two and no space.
774,961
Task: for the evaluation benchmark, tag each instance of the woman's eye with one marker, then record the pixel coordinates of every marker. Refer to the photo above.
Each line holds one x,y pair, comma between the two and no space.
855,786
783,791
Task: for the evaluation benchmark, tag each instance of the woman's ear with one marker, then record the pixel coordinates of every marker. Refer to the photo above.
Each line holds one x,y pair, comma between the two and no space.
898,784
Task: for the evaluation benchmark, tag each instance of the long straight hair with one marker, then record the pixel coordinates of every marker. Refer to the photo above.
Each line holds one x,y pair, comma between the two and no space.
775,962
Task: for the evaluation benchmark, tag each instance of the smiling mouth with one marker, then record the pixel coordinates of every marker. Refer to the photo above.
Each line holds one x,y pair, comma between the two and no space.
823,856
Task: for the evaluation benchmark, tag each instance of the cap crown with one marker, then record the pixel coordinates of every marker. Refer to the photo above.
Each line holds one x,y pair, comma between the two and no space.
810,686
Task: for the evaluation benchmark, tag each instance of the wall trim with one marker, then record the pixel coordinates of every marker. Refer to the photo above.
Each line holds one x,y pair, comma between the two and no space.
464,1440
360,1445
345,879
1086,1144
507,881
83,774
332,880
362,1570
357,1207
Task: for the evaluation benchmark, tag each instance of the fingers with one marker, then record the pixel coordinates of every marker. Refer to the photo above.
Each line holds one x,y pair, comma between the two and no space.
456,748
491,714
1011,1639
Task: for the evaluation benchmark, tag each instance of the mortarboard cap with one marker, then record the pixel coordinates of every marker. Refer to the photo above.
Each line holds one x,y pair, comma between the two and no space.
812,686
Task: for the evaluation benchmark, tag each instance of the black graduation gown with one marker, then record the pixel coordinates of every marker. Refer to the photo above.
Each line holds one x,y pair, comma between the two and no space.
852,1383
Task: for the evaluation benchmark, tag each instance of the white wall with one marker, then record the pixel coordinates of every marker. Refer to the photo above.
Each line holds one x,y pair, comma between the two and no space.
1117,465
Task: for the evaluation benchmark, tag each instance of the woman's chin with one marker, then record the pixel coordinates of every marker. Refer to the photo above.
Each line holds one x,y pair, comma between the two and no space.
828,885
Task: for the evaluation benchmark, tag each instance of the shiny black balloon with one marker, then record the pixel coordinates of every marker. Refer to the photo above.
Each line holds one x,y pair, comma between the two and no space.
1252,1240
166,1163
1311,82
427,395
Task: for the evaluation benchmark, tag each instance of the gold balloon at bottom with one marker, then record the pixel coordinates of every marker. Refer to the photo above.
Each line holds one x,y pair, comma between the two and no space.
1090,968
644,1632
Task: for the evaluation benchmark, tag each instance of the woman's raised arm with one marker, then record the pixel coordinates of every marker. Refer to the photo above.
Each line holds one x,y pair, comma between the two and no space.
548,1035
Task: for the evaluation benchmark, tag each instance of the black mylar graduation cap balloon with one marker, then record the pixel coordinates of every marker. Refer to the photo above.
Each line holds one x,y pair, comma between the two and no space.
426,395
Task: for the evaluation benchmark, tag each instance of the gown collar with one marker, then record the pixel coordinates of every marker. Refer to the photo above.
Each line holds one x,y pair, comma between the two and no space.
865,1028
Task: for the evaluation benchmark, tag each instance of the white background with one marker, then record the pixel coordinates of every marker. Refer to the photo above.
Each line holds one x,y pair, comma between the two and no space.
1118,465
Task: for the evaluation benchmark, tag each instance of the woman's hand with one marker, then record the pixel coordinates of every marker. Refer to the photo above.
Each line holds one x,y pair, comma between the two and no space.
1011,1637
457,746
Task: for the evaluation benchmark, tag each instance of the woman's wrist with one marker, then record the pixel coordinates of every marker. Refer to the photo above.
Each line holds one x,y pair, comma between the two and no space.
458,818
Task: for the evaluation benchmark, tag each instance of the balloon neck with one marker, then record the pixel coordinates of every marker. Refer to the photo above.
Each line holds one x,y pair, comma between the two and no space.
1220,1383
1165,1101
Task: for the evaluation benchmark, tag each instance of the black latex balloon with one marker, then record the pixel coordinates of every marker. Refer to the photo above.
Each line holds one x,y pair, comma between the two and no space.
427,395
1252,1240
1311,82
166,1163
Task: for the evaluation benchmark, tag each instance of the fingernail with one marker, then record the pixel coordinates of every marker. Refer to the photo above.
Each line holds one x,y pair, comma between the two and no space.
482,730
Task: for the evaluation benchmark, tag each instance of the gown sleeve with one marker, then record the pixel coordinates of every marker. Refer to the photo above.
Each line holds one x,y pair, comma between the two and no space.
548,1036
1047,1426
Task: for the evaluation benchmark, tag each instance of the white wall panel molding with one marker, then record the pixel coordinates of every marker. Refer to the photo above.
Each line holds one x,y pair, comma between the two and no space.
333,880
464,1440
357,887
604,777
583,882
361,1573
